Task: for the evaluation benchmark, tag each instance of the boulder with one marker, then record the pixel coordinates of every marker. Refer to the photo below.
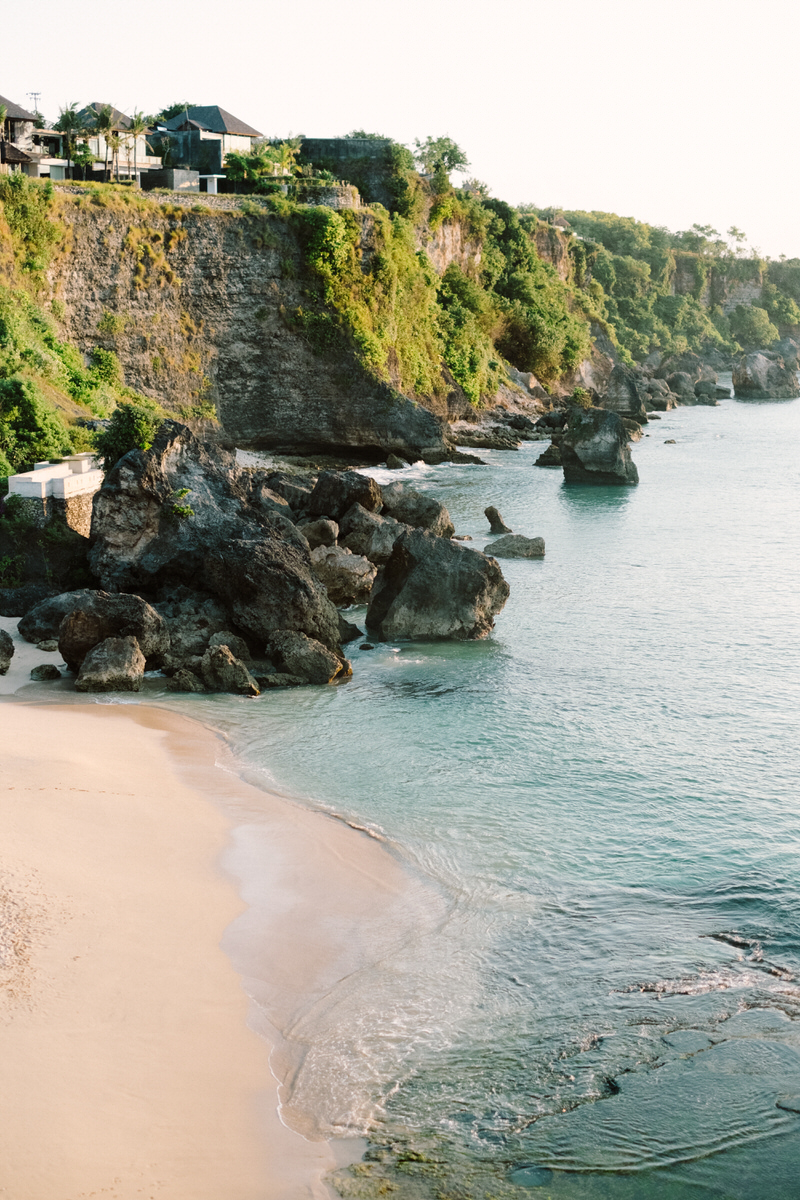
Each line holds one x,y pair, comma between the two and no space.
789,350
306,659
321,532
115,665
633,429
100,615
517,546
623,394
369,534
294,489
45,673
595,449
222,672
705,391
347,577
336,491
348,632
237,645
551,457
6,651
192,619
393,463
15,602
433,588
42,622
185,680
411,507
760,377
682,385
687,363
556,419
48,646
496,522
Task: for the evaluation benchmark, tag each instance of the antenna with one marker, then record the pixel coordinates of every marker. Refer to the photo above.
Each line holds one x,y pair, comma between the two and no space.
35,97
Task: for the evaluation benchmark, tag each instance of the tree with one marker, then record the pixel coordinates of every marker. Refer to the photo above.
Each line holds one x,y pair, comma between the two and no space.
83,157
115,142
172,110
440,155
739,237
137,126
132,427
104,127
70,123
752,327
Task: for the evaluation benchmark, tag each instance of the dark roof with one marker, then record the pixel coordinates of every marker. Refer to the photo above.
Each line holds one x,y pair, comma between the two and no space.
91,110
15,113
212,118
13,154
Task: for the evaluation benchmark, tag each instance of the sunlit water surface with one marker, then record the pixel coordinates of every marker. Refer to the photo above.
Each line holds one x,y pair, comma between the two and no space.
605,796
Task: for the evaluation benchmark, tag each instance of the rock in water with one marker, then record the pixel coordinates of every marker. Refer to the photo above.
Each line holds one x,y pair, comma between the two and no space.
6,651
116,665
45,673
185,681
761,376
551,457
411,507
237,646
594,448
393,463
496,522
368,534
100,616
347,577
433,588
517,546
336,491
222,672
624,393
304,658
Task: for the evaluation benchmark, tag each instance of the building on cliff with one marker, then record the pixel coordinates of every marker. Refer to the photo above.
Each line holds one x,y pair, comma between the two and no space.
199,138
64,490
26,148
132,156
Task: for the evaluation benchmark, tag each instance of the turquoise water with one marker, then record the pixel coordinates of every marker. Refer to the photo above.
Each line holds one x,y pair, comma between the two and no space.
604,796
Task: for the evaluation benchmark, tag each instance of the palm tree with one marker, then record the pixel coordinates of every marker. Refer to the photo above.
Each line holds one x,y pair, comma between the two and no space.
104,127
114,141
71,125
137,126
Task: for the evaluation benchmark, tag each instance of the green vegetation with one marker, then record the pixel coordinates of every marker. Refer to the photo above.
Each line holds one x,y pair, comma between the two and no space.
752,327
132,427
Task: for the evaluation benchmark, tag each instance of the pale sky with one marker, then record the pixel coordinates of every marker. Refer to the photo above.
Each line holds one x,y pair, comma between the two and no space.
671,111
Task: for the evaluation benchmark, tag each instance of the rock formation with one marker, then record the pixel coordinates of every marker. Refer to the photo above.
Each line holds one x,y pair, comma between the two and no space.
517,546
115,665
594,449
411,507
433,588
764,375
6,651
496,522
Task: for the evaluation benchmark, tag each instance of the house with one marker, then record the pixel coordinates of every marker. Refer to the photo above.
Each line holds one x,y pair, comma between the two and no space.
200,137
24,147
133,158
62,490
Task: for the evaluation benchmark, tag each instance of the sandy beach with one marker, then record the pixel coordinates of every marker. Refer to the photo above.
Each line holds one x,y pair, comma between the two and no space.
129,1066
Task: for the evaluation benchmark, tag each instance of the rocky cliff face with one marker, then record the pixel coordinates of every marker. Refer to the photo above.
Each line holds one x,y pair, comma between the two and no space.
198,307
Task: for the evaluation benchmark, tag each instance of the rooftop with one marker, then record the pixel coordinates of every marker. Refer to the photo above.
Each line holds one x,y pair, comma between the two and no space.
212,118
15,112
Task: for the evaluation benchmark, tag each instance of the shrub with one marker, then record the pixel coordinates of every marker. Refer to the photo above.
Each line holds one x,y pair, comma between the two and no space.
132,427
29,430
752,327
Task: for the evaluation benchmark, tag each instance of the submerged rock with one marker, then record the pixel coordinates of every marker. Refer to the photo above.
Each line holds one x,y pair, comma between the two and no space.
433,588
115,665
517,546
551,457
594,449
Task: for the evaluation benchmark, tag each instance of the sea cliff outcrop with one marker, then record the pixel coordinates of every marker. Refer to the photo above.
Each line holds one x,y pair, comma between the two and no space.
594,448
765,375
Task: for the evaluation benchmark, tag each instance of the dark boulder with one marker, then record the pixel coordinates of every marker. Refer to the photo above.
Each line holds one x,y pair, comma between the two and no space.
42,622
192,619
237,645
294,489
496,522
185,680
336,491
681,384
433,588
551,457
6,651
759,376
594,449
305,658
705,391
17,601
45,673
393,463
624,394
369,534
223,672
115,665
100,616
411,507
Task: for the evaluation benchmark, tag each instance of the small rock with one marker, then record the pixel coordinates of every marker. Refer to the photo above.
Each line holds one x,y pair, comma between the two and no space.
393,463
48,646
462,537
516,546
496,522
550,458
6,651
366,646
45,672
223,672
306,658
115,665
347,577
654,416
669,442
348,632
322,532
237,645
185,681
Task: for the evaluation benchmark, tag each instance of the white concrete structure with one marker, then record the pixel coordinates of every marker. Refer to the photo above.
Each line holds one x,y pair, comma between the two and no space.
75,476
211,183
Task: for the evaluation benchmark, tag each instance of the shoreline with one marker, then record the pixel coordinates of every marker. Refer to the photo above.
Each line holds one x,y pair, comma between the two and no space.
283,896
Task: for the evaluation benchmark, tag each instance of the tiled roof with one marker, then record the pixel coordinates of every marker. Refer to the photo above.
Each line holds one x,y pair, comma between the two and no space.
213,118
91,110
15,113
13,154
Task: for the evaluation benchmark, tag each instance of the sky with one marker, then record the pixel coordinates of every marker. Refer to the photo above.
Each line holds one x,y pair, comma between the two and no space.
671,112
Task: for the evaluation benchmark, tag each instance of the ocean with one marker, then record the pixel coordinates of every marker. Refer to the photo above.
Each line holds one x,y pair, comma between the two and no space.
601,802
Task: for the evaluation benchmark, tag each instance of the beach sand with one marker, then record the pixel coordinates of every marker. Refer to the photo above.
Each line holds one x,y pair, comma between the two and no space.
129,1069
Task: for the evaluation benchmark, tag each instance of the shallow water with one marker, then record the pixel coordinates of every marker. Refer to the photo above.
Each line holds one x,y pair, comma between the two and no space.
604,797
